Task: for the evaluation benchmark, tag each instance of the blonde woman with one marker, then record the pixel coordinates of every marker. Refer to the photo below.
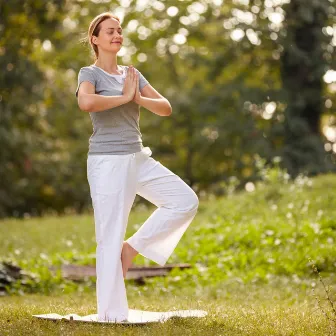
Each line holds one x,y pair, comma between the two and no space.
119,167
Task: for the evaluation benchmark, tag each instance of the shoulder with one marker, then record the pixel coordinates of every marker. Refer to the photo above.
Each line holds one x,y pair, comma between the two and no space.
88,68
87,71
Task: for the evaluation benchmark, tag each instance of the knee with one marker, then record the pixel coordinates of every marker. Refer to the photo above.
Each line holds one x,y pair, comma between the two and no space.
190,203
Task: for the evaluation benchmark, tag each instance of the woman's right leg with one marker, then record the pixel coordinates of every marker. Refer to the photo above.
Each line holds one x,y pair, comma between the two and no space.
112,183
177,206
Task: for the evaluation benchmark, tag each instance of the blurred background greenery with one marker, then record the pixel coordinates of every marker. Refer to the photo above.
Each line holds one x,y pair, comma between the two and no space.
247,79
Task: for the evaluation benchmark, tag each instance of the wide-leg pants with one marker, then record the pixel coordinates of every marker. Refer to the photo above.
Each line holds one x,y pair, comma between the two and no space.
114,182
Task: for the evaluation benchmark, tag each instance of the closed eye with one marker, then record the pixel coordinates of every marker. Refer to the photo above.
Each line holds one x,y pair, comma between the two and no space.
110,29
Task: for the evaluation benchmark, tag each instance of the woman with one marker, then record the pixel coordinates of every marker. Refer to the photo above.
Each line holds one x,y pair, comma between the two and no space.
119,167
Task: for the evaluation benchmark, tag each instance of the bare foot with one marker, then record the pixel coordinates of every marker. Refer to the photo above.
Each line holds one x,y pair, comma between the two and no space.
128,253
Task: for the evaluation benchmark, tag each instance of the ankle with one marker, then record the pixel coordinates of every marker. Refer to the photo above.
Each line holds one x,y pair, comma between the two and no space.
133,251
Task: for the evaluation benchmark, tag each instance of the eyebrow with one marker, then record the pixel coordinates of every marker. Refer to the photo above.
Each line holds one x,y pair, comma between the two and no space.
113,28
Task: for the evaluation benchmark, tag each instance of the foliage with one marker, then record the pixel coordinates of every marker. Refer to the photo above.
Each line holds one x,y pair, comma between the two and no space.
229,95
248,237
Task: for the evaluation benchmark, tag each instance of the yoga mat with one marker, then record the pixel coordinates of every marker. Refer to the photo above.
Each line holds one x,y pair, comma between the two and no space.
135,316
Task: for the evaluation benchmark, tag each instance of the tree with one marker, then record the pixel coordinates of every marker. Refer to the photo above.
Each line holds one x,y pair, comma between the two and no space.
26,139
303,64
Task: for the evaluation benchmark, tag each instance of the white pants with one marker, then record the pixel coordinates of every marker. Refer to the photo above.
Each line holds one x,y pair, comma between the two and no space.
114,182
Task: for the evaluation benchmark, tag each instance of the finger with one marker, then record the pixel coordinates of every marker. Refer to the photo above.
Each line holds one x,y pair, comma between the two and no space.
133,82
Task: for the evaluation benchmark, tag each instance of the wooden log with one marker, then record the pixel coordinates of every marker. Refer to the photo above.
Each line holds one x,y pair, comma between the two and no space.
79,272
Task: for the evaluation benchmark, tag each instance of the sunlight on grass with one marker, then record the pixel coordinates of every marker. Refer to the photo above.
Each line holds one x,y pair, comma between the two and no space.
249,253
267,312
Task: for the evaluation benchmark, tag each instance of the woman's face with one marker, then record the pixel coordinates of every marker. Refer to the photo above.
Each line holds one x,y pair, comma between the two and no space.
110,36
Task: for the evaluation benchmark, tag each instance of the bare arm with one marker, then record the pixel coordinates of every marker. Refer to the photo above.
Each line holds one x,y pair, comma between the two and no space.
152,100
88,101
159,106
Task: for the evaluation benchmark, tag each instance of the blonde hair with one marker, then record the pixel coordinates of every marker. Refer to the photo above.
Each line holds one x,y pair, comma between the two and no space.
94,29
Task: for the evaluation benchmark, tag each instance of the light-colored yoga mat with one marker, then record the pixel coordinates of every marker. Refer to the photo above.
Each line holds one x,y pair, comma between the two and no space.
135,316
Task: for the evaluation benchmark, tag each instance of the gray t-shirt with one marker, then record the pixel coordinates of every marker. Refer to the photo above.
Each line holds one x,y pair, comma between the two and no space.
116,130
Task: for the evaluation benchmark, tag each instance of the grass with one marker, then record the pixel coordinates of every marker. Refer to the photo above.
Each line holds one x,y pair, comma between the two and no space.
237,310
249,251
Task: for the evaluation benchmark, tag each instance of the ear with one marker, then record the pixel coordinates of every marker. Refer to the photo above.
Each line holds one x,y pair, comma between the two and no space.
94,39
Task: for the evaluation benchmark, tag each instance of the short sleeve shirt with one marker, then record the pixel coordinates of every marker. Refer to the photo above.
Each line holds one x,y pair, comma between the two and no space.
115,130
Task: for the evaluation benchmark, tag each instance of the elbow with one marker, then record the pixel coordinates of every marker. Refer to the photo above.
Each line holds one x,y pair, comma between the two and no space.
168,109
84,104
83,108
86,108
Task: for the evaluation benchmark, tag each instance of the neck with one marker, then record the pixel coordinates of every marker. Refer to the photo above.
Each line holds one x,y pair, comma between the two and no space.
108,62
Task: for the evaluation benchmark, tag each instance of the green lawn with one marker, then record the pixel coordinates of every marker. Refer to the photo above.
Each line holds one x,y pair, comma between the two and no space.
284,309
250,266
